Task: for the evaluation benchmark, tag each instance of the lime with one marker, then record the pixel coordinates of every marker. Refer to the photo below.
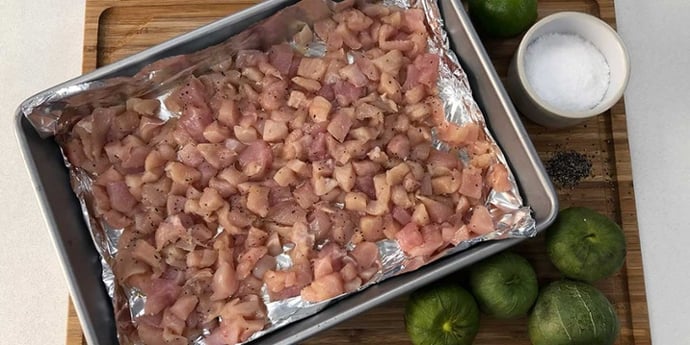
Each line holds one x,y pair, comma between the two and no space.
441,315
505,285
503,18
585,245
572,313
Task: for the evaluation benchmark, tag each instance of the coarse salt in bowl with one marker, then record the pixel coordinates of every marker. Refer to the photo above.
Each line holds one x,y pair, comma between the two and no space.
569,67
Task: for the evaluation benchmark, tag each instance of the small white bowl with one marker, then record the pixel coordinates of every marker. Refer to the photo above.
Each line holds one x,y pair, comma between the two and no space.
592,29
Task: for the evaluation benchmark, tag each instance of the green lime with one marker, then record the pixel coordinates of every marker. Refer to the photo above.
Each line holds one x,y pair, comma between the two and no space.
572,313
441,315
585,245
505,285
503,18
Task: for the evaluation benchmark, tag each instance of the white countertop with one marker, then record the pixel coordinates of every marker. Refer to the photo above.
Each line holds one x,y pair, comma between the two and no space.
41,45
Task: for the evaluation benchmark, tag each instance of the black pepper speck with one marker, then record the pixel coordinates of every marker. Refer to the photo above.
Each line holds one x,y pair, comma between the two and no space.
568,168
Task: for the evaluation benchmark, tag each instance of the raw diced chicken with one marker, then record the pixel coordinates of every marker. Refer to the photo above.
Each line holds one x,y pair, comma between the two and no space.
481,221
275,154
323,288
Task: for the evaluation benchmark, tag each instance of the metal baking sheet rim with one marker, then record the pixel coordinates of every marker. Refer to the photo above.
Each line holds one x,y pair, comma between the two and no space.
348,307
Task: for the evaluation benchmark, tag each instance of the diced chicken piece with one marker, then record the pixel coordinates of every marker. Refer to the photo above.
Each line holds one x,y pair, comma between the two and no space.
120,198
463,205
241,318
297,100
224,283
438,211
217,155
481,222
324,27
346,93
299,167
216,133
320,225
274,131
387,38
173,229
184,306
401,215
143,106
455,235
367,68
249,58
273,244
210,200
287,213
424,71
356,201
278,281
326,287
160,294
281,56
322,266
253,74
309,85
443,159
246,135
433,241
458,135
498,178
447,184
343,226
399,146
415,94
420,216
401,198
482,161
366,254
305,196
190,155
256,159
340,125
354,75
248,259
417,112
319,109
355,19
229,113
312,68
323,185
146,253
274,93
195,119
285,177
413,20
232,176
266,263
201,258
390,63
345,176
472,183
257,200
409,237
348,37
371,228
382,189
389,87
181,173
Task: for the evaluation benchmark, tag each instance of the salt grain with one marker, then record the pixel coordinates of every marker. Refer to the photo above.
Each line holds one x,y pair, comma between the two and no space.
567,71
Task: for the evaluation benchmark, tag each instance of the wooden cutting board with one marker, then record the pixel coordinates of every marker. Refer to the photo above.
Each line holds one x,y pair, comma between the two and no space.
118,28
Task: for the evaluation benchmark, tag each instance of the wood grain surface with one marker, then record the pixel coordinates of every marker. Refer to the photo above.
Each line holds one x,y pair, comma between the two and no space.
118,28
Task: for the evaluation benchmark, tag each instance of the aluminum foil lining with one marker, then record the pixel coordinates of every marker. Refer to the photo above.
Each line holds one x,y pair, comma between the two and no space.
54,111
